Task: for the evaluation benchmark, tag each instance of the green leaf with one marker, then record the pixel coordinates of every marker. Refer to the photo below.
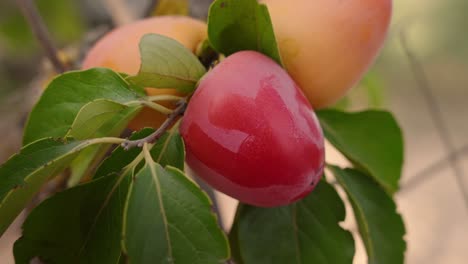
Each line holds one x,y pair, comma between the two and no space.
372,140
80,225
82,164
234,238
170,150
235,25
305,232
93,116
165,63
169,220
100,118
61,102
380,225
120,158
23,174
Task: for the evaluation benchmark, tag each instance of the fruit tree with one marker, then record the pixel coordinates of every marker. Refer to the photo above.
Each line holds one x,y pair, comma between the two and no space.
243,103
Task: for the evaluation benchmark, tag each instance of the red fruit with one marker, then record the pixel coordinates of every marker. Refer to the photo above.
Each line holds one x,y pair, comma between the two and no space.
250,132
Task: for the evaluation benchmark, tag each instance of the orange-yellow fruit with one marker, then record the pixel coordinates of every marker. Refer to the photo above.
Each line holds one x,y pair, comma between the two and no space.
119,51
327,45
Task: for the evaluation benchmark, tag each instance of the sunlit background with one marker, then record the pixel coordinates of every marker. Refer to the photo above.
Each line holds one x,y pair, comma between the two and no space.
427,50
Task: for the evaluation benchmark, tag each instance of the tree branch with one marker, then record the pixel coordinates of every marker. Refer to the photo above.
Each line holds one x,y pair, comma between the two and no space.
150,9
171,119
436,114
119,12
39,29
430,171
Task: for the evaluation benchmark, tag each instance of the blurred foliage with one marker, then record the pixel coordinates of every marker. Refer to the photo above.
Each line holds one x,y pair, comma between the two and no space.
374,88
19,50
369,93
172,7
433,28
61,17
452,18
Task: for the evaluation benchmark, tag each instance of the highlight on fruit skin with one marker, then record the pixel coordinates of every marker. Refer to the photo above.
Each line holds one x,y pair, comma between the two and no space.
328,45
250,132
119,50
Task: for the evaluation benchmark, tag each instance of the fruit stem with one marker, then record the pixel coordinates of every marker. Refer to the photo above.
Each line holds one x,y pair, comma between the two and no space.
171,119
106,140
206,54
154,106
165,97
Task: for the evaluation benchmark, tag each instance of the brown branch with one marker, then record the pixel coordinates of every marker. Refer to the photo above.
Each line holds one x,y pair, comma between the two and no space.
171,119
436,114
150,9
119,12
39,29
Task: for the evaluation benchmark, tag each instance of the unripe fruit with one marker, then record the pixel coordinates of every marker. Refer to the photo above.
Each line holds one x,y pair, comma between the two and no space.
250,132
327,45
119,50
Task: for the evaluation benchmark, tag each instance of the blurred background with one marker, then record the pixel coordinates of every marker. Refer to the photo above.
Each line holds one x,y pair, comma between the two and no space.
426,52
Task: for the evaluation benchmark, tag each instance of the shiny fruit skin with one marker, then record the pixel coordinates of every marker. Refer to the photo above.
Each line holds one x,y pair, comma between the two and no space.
328,45
119,51
250,132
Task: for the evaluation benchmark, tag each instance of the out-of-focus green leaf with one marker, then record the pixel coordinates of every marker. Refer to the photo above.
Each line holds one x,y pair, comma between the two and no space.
172,7
62,18
374,89
344,104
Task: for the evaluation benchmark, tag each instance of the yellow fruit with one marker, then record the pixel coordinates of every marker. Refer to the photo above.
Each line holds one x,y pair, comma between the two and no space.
328,45
119,51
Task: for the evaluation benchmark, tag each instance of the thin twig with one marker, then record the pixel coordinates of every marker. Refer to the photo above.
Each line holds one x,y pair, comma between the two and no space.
119,12
39,29
171,119
430,171
436,114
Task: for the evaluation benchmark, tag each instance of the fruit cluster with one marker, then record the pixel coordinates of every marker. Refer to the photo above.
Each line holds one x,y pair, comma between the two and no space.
249,129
